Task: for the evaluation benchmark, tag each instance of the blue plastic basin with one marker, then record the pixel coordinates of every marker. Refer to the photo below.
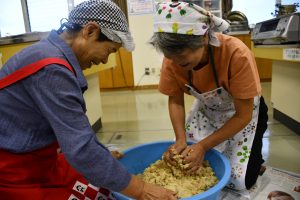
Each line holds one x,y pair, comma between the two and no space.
138,158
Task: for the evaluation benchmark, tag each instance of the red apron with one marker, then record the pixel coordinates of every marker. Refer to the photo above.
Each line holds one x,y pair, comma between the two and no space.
43,174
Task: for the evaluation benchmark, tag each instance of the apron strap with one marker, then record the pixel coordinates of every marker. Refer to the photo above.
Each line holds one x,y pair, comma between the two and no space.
190,72
31,69
213,66
190,78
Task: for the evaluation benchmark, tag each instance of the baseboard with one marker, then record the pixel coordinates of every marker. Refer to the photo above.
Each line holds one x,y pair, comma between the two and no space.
141,87
97,125
287,121
266,80
115,89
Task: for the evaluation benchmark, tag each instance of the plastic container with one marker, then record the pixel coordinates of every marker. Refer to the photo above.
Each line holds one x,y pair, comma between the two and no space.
138,158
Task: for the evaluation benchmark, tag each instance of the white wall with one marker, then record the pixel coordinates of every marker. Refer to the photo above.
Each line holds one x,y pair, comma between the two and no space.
144,54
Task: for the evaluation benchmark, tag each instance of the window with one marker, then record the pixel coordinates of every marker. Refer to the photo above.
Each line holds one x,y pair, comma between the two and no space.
11,18
257,10
43,15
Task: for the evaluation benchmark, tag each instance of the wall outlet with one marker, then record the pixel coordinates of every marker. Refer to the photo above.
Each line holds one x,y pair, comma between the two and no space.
153,70
147,71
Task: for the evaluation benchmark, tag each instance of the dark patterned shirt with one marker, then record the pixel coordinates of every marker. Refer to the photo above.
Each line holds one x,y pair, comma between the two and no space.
49,106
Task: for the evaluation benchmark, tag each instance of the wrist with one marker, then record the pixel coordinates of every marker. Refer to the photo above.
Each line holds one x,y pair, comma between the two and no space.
141,190
180,139
202,146
135,188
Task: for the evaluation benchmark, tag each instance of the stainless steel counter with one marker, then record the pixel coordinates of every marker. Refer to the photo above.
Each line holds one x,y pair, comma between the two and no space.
26,37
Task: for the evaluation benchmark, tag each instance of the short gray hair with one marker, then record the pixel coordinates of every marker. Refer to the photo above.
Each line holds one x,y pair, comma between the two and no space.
172,44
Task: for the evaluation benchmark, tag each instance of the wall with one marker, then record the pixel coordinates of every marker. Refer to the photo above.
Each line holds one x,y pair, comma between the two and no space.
144,55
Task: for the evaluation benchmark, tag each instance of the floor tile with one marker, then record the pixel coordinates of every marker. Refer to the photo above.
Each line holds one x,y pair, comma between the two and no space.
142,137
104,137
282,152
132,118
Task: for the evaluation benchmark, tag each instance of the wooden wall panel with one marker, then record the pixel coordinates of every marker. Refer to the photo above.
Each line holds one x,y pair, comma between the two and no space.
264,66
105,79
123,5
122,75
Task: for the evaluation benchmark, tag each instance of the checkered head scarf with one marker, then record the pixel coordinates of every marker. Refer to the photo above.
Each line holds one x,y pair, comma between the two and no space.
188,18
108,15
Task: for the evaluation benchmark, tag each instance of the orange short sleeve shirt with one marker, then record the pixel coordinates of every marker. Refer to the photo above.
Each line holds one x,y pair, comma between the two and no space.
235,66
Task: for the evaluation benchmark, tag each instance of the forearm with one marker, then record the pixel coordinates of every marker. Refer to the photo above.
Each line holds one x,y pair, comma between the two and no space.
177,116
95,163
135,188
228,130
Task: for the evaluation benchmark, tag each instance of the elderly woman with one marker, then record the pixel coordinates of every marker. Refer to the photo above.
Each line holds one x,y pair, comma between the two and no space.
229,112
42,108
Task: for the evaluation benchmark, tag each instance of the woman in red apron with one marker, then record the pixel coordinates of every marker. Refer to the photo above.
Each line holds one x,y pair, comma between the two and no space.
43,110
228,113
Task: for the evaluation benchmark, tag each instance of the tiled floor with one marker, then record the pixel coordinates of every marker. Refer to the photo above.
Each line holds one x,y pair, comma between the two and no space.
135,117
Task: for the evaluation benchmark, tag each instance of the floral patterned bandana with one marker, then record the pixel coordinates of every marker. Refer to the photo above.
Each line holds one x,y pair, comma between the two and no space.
188,18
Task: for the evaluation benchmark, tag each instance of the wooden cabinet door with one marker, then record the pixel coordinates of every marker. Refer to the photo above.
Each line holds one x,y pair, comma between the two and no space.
120,76
264,66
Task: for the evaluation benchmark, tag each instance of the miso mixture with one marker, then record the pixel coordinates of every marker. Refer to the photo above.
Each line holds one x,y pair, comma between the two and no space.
174,178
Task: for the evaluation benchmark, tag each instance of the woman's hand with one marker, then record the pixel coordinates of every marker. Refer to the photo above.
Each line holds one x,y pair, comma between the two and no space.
193,155
151,192
174,149
141,190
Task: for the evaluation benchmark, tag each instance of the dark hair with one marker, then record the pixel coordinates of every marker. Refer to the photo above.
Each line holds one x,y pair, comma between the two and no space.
173,43
278,193
75,28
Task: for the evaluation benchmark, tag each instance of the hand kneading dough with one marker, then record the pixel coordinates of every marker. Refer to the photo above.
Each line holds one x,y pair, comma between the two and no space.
173,178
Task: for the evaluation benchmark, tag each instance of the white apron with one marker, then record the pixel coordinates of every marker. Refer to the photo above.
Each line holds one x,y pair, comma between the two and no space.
210,111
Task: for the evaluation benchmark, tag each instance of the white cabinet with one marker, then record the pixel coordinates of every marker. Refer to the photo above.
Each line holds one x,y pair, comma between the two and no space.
215,6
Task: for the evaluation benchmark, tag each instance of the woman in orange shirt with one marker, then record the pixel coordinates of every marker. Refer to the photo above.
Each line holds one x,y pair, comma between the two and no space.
229,113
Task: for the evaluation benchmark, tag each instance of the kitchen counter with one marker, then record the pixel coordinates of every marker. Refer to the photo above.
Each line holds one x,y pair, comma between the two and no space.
285,96
277,52
22,38
238,33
